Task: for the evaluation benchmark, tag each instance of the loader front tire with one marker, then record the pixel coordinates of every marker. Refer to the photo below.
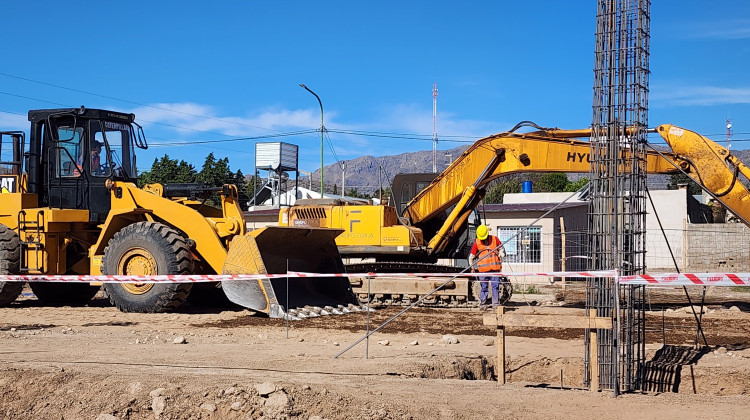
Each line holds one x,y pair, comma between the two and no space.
147,248
10,258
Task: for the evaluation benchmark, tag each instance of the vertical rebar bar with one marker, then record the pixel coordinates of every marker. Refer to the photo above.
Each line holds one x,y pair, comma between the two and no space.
617,211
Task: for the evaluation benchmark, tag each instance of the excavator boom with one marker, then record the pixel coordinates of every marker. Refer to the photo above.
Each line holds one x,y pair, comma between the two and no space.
546,151
498,155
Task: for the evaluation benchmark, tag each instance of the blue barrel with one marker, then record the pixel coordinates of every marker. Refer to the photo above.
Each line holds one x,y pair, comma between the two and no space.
526,186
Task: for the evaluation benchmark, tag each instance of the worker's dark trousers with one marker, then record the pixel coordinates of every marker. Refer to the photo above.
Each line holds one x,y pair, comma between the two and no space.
485,283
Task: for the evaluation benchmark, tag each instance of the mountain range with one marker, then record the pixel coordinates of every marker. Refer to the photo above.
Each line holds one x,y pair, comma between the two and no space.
366,173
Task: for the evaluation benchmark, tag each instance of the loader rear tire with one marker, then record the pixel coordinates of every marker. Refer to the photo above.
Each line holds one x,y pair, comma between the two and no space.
147,248
10,258
61,294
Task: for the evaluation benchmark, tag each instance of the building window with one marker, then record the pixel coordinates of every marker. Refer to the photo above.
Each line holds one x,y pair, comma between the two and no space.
522,245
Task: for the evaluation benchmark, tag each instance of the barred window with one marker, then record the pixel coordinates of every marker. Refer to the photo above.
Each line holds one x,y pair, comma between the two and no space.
522,245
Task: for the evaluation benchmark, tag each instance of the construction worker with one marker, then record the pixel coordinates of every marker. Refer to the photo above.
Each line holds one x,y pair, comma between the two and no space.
96,160
488,254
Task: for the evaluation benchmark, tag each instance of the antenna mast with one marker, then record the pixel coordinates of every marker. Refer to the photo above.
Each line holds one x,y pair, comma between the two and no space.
434,127
729,134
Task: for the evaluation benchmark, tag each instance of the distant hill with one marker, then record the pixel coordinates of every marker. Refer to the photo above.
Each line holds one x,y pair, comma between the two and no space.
362,173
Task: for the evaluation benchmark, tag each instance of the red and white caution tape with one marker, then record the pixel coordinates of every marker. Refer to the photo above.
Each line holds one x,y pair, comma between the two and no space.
688,279
664,279
603,273
198,278
168,278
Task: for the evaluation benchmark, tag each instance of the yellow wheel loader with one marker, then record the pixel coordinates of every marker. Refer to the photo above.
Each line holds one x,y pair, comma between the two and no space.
429,220
69,205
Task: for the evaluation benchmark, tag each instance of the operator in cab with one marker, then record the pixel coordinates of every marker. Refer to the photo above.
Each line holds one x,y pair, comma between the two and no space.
96,160
488,253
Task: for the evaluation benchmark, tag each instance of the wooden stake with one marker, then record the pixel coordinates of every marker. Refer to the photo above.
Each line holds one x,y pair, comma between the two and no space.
501,347
563,257
594,356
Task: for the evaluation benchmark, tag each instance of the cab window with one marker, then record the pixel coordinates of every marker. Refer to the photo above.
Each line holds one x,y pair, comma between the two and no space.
68,153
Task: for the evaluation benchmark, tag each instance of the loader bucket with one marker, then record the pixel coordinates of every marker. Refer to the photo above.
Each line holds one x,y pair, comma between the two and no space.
276,249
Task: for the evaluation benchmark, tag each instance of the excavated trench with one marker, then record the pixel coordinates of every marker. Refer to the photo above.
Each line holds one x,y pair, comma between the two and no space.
476,368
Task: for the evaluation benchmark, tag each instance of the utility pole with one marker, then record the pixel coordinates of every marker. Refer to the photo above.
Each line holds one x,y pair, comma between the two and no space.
434,127
322,130
450,158
729,134
380,181
343,178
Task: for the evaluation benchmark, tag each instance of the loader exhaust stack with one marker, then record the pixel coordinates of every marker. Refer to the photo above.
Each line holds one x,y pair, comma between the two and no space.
276,249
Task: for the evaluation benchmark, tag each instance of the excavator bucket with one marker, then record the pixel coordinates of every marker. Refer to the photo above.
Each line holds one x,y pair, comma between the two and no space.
276,250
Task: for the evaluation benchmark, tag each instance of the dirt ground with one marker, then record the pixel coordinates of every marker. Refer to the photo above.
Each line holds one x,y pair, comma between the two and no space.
95,362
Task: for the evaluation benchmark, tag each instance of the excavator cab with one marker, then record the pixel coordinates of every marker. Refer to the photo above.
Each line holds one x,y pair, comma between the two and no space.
407,186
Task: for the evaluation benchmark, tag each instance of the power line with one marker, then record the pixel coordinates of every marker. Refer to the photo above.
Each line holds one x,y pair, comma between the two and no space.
264,136
141,120
132,102
401,136
420,137
333,150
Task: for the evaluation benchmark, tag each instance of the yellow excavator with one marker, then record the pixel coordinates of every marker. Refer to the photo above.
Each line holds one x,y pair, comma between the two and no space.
70,205
431,220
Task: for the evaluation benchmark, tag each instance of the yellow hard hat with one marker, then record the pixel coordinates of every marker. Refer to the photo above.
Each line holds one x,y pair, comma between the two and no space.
482,232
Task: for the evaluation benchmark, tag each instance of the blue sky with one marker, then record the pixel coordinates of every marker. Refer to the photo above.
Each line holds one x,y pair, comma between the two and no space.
202,71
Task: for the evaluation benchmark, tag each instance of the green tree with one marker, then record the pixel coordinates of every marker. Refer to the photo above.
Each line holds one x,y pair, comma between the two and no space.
551,182
168,171
240,181
335,189
675,180
495,194
253,184
354,193
386,193
576,185
215,172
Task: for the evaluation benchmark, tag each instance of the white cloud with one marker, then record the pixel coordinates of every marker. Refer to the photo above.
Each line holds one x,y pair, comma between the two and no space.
665,95
13,122
190,117
415,119
187,117
726,29
409,119
188,120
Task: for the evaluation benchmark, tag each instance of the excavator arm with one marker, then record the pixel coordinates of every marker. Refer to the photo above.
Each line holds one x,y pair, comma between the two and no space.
461,184
712,166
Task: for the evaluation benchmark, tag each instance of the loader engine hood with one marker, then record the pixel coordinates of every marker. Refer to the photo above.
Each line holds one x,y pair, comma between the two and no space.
277,250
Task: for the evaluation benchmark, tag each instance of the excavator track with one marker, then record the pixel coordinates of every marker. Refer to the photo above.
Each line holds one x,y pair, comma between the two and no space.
403,291
400,267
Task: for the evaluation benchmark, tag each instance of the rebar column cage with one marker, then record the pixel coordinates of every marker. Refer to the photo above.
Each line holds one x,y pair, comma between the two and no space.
617,213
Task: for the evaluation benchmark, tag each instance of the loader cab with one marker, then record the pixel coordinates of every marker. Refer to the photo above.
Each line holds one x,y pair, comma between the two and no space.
73,152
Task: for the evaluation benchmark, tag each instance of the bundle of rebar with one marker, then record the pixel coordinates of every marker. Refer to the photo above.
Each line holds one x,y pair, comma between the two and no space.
617,213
